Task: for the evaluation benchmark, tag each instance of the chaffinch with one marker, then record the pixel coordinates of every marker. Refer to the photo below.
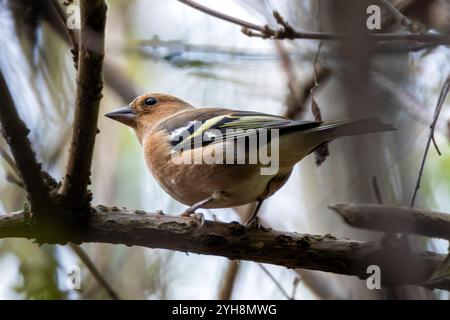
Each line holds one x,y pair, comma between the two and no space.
194,153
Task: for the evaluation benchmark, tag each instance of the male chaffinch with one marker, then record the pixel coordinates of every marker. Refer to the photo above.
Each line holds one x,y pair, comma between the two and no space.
160,120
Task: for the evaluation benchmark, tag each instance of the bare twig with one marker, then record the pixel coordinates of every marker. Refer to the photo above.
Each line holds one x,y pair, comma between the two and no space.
10,161
292,250
315,110
412,26
322,152
15,180
10,177
287,32
294,100
437,112
275,281
222,16
229,280
89,94
15,133
295,284
408,102
376,190
296,108
94,271
395,219
319,283
73,35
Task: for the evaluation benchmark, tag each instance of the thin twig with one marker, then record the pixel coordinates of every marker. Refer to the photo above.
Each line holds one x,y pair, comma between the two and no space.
407,102
10,177
93,270
14,180
296,96
229,280
322,152
287,32
376,190
10,161
275,281
72,34
412,26
295,284
316,59
296,107
222,16
437,112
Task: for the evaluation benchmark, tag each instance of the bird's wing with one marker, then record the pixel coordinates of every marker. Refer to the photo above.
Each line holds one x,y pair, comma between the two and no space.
200,127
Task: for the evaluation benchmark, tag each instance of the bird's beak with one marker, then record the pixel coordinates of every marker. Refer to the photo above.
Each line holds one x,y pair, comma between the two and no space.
126,115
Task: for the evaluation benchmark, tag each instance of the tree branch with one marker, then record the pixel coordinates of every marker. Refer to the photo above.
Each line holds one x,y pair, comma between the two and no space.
276,282
437,112
234,241
71,33
288,32
94,271
16,134
412,26
296,103
229,280
395,219
89,94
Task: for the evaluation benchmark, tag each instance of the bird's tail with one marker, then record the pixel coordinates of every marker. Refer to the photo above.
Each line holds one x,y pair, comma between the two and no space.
296,145
353,127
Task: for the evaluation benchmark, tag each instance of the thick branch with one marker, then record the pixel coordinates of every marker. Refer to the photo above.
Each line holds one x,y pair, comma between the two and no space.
89,94
16,134
395,219
234,241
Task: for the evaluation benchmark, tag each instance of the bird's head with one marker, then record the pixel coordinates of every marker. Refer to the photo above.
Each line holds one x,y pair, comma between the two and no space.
144,112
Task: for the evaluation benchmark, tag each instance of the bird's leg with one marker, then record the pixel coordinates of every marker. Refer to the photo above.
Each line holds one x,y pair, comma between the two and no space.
254,217
190,212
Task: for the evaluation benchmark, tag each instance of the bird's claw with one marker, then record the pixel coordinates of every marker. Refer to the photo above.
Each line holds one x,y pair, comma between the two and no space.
254,223
198,216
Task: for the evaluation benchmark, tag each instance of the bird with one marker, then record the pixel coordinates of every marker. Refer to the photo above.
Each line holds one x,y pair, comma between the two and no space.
175,135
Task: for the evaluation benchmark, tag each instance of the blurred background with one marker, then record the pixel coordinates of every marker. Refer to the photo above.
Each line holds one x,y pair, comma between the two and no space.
165,46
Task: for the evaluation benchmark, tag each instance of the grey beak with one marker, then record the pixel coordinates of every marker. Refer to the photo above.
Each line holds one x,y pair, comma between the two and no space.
125,115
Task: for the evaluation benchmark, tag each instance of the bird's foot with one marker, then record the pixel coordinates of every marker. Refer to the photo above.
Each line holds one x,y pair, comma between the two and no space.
198,216
254,223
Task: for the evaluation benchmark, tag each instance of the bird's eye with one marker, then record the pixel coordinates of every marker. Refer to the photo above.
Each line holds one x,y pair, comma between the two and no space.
150,101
